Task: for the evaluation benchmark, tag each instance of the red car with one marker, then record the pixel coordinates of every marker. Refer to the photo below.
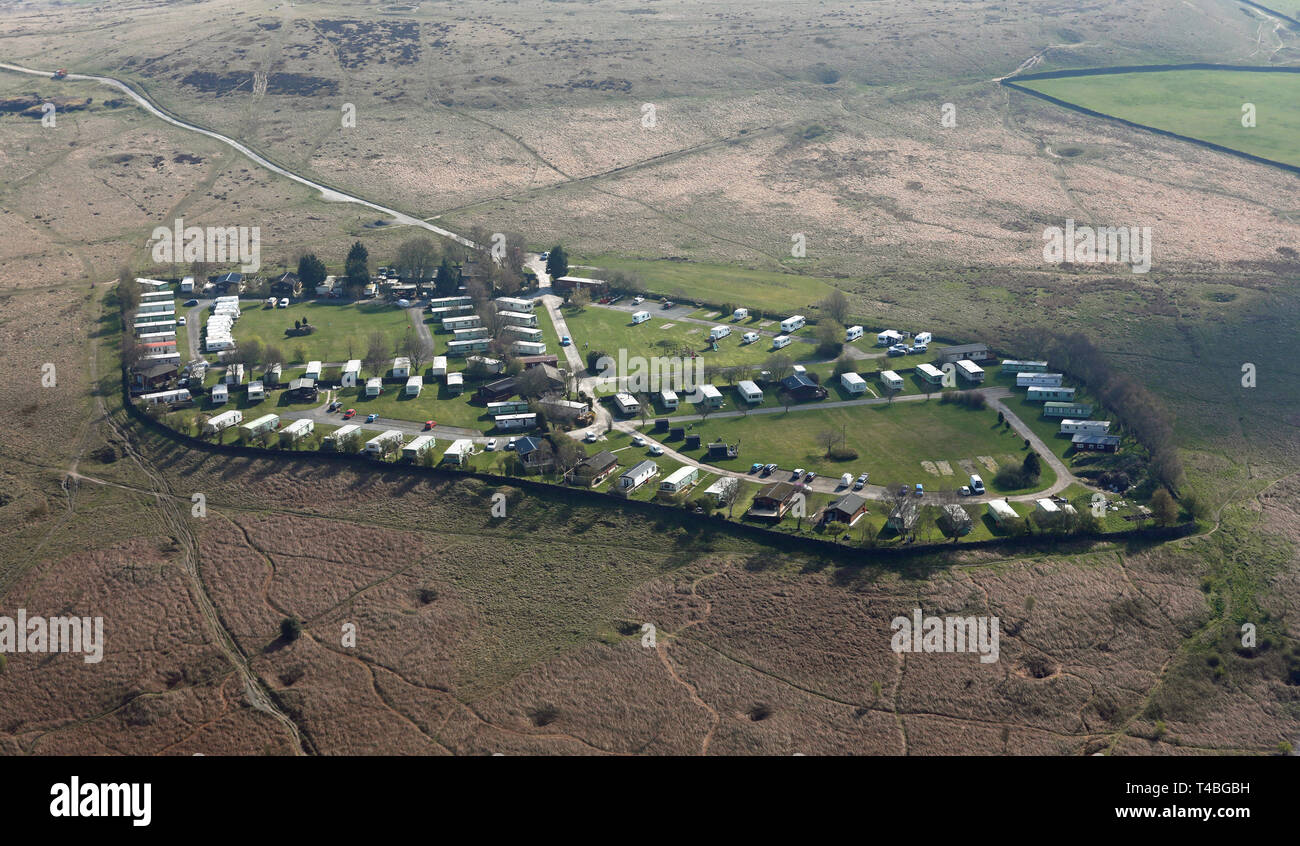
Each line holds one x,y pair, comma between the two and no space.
429,424
349,414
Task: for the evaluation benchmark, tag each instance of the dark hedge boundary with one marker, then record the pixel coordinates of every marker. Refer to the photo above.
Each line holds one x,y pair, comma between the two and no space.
1209,145
793,543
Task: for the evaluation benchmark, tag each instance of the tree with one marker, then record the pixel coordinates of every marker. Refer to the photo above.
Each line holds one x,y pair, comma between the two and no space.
417,350
843,364
568,453
128,290
557,263
579,298
447,279
1032,467
311,271
417,258
290,628
376,360
948,524
779,366
836,307
829,439
357,268
830,337
785,398
1163,508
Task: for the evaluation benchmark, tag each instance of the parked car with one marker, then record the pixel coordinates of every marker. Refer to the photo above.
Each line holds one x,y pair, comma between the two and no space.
798,473
544,256
919,348
190,303
769,469
491,445
564,342
920,489
811,475
284,302
859,483
638,300
335,406
638,440
510,444
590,437
669,303
429,424
349,414
897,349
372,417
180,321
903,490
965,490
755,467
656,450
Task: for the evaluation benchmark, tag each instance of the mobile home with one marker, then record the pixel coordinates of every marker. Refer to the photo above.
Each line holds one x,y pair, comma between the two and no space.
891,380
930,373
459,452
781,342
515,422
256,391
638,476
314,368
852,334
413,385
749,391
166,397
722,489
417,448
1087,427
265,423
475,334
455,383
1030,379
374,386
1045,394
792,324
970,371
1011,365
187,285
1067,409
668,399
235,374
640,316
517,304
461,348
439,366
222,421
220,394
384,443
710,396
853,383
1001,511
740,314
451,324
626,404
717,333
401,367
517,318
1092,442
680,479
296,431
522,333
351,372
507,407
341,436
529,348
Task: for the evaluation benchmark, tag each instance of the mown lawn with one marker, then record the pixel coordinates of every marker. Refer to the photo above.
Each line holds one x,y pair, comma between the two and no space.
342,329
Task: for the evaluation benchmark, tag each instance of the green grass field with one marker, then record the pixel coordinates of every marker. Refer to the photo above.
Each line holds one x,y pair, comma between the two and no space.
1202,104
892,442
765,290
336,324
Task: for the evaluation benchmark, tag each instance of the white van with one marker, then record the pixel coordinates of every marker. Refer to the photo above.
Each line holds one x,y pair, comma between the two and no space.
846,480
976,484
749,337
719,332
640,316
852,334
781,341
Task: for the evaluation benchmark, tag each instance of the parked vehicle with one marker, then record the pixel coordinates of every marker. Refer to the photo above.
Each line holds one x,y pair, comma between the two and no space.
334,406
798,473
656,450
669,304
180,321
846,480
903,490
349,414
510,444
976,484
284,302
189,303
429,424
811,475
897,349
755,467
860,482
590,437
638,300
564,342
491,445
769,469
372,417
918,348
920,489
965,490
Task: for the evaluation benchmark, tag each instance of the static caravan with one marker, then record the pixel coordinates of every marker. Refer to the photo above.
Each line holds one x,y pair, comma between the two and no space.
710,396
341,436
157,337
460,348
451,324
166,397
413,385
1054,394
1010,365
418,447
529,348
1001,511
514,304
740,314
1047,510
459,452
297,430
853,383
384,443
507,407
668,399
273,374
156,297
680,479
220,394
922,338
970,371
1030,379
749,391
1067,409
150,283
717,333
888,338
638,476
640,316
516,422
187,285
749,337
443,302
374,386
401,367
722,489
224,420
852,334
891,380
1091,442
1087,427
443,312
523,333
351,372
455,383
792,324
145,327
626,404
781,342
518,318
256,391
439,366
265,423
930,373
314,368
235,374
477,333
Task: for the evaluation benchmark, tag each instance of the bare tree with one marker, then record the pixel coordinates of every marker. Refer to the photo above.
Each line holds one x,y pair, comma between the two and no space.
417,258
779,366
836,306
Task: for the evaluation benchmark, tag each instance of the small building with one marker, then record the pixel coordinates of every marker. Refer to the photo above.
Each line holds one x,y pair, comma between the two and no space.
930,374
749,391
802,388
413,386
187,285
1086,442
1046,511
792,323
1011,365
535,454
401,367
626,404
497,390
314,369
517,318
1030,379
692,442
374,386
265,423
222,421
220,394
970,371
529,348
287,285
902,518
638,476
853,383
273,374
891,380
848,509
1089,427
567,411
594,287
722,489
455,384
1067,409
384,443
888,338
256,391
958,518
515,422
416,449
296,431
439,366
593,470
709,396
1045,394
721,451
668,399
969,352
301,390
1001,511
459,452
680,479
773,501
235,374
